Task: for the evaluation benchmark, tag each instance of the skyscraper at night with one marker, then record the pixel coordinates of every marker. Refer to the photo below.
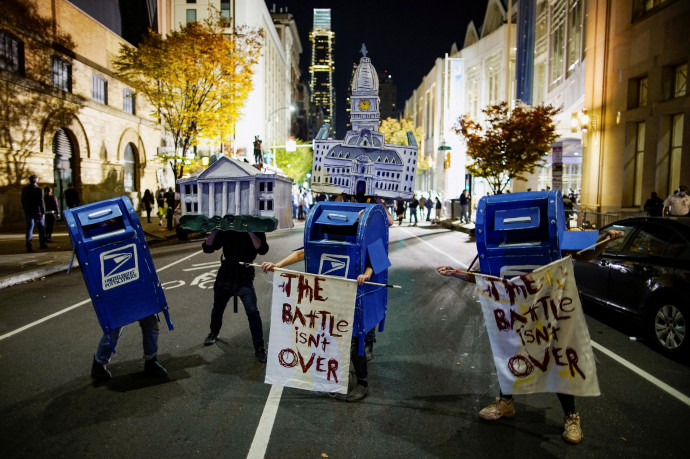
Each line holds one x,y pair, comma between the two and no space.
321,69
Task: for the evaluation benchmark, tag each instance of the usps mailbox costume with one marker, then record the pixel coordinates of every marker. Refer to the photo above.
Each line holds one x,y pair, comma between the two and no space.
120,276
517,233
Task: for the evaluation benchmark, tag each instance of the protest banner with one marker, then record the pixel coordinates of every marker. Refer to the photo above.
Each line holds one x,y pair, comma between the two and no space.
538,332
311,331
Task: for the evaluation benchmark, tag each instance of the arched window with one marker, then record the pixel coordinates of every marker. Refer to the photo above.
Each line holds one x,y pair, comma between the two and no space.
130,168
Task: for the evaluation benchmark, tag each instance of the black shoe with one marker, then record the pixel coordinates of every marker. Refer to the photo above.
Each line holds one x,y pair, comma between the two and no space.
210,339
154,368
48,239
261,355
100,372
29,249
42,246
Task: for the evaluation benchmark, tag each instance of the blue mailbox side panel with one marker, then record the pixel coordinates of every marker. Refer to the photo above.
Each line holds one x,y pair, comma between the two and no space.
116,262
339,237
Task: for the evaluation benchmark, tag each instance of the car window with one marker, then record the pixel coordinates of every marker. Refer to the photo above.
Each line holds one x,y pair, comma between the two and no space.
677,248
651,240
617,245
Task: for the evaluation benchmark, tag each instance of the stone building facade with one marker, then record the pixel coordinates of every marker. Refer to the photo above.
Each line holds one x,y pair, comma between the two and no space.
65,115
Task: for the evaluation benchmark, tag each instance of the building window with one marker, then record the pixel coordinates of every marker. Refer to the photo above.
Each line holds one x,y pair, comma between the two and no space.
493,77
225,9
557,46
680,80
633,166
269,204
129,101
11,53
99,89
574,51
269,187
191,15
262,205
676,149
61,73
642,7
637,92
130,175
262,186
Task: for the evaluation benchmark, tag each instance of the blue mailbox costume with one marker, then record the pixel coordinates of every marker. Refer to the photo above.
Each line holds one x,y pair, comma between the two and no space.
116,263
519,232
339,238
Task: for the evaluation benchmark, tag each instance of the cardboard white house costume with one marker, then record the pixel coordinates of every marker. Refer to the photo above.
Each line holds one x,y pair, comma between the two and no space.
363,163
231,187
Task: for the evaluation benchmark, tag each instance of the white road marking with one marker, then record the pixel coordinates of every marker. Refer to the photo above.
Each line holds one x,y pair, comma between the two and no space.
268,417
658,383
81,303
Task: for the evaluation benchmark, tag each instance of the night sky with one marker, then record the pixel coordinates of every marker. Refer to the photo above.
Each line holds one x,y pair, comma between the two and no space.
404,37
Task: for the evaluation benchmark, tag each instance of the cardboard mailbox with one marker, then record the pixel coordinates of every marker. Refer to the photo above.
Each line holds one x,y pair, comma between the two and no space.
339,238
519,232
116,263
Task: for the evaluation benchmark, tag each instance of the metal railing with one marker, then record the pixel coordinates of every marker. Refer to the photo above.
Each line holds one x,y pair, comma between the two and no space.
588,219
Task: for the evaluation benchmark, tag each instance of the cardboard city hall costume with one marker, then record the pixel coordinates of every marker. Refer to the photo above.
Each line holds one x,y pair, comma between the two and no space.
362,163
247,198
116,262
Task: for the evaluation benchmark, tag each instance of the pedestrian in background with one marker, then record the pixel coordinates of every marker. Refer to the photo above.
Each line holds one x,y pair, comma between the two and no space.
464,204
400,210
52,212
160,201
71,196
678,204
439,210
170,202
429,204
34,209
654,205
413,209
148,202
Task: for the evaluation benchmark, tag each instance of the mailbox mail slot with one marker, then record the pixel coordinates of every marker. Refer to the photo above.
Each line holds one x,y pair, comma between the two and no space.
116,263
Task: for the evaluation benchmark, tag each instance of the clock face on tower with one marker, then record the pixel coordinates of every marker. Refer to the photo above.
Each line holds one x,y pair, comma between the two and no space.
364,104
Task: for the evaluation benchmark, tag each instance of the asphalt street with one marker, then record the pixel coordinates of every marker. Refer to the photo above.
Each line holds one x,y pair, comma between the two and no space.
432,372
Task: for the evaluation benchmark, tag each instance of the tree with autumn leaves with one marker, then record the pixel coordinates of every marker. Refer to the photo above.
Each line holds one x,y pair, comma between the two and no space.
510,143
197,79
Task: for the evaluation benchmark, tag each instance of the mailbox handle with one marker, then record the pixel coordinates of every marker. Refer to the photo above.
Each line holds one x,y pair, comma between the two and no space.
100,213
344,217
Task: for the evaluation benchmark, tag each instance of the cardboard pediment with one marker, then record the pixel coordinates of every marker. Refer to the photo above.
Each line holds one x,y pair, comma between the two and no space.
228,168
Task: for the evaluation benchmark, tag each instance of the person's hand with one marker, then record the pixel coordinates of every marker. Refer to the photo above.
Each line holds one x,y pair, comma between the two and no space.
211,237
362,278
614,234
445,270
268,266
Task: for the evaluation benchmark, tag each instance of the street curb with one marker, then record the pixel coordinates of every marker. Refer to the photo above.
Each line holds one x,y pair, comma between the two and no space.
34,274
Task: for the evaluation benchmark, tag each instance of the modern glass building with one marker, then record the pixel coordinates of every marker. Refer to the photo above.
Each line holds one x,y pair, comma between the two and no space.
321,69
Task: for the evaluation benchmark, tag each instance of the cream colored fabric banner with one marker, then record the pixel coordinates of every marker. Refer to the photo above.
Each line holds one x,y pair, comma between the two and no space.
311,331
538,332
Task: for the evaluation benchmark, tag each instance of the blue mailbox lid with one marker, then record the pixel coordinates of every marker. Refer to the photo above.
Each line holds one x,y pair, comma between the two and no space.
377,256
89,218
513,219
578,240
338,217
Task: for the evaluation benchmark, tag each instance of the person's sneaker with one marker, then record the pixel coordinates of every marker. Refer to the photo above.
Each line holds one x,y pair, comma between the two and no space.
154,368
501,407
29,250
572,432
100,372
357,394
369,351
210,339
261,355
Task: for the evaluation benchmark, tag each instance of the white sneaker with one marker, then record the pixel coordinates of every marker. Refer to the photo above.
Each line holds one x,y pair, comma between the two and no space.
572,432
501,407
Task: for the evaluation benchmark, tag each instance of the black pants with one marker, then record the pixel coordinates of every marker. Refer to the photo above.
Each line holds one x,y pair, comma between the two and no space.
567,402
359,362
222,293
50,224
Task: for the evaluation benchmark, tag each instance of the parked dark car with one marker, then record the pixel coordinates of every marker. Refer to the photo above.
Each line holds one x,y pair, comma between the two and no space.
646,273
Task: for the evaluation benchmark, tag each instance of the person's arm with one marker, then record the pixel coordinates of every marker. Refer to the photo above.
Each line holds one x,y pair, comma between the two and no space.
212,243
259,241
379,201
452,272
294,257
362,278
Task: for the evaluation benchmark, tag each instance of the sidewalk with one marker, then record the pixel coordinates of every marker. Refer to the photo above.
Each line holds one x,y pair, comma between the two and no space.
17,266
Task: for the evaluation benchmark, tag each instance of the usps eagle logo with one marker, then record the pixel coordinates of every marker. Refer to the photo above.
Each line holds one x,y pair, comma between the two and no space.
334,265
119,266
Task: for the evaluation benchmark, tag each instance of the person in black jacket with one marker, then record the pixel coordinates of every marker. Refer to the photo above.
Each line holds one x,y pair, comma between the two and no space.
52,212
34,210
234,279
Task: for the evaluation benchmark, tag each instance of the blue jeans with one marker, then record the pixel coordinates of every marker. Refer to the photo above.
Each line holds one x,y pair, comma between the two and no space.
222,292
149,334
30,220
